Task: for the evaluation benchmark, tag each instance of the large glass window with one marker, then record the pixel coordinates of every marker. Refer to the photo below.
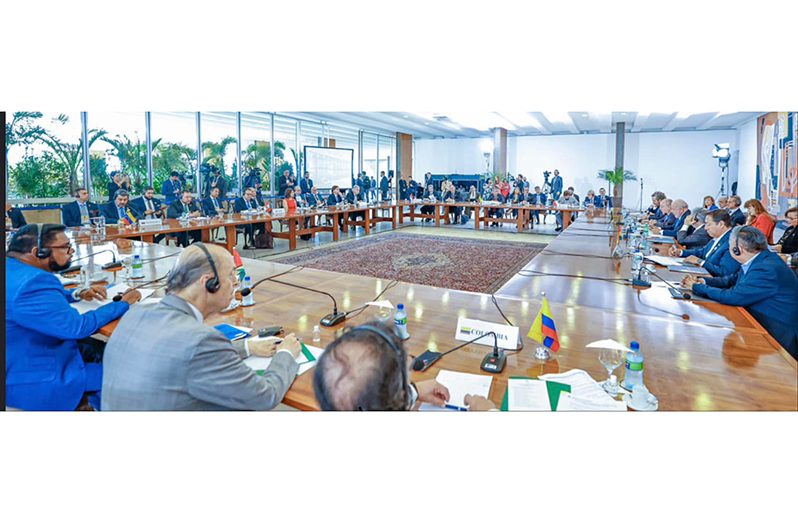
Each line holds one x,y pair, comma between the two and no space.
370,154
285,146
45,154
256,146
346,138
219,132
312,134
122,147
174,147
387,155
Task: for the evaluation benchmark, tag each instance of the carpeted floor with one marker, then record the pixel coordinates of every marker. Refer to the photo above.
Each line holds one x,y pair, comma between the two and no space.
451,263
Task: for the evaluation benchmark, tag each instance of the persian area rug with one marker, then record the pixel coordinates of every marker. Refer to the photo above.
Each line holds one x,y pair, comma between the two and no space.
476,265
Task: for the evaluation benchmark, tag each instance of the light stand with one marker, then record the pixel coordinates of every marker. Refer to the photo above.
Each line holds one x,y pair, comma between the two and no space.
641,194
723,154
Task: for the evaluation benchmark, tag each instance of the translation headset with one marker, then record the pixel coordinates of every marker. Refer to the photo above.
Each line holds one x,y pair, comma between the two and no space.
736,248
211,285
41,252
398,353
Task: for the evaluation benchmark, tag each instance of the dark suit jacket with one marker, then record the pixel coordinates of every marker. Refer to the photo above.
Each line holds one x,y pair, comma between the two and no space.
209,209
241,205
332,199
671,231
175,210
738,217
168,191
537,199
720,262
384,186
252,180
666,221
767,291
692,238
556,187
350,196
112,216
316,200
221,183
113,187
18,220
305,185
139,205
70,213
282,185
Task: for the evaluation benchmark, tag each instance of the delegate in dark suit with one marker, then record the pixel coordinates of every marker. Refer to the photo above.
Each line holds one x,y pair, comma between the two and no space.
354,199
717,259
306,184
737,217
677,226
767,290
429,209
250,229
71,215
211,206
17,219
113,213
215,181
692,237
384,187
171,189
184,364
666,221
44,368
178,209
335,199
142,205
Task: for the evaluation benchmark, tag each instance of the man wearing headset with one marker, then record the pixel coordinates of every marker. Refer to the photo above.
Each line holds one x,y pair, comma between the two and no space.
368,369
48,367
764,285
184,364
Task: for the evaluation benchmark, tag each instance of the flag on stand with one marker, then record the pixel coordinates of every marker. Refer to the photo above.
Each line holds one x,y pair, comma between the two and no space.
543,329
239,265
129,218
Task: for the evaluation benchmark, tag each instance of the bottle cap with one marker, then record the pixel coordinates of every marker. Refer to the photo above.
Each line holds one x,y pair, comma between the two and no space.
635,346
400,306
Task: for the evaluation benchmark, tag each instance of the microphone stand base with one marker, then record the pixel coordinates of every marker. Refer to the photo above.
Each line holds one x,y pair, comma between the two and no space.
493,363
332,319
542,353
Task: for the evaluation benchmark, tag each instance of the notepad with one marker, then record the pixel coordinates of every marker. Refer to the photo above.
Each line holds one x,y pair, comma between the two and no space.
586,393
689,269
231,332
84,306
307,360
665,261
462,383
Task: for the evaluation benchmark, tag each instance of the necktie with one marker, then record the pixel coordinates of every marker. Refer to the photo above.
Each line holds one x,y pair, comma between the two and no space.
121,211
149,204
215,204
249,207
185,208
83,210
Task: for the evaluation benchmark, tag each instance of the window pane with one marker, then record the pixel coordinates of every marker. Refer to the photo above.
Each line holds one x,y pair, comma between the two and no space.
370,154
218,132
174,148
122,147
387,158
312,134
45,154
285,146
256,145
346,138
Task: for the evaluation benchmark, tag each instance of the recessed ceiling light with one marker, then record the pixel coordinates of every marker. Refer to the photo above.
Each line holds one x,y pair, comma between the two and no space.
585,115
426,123
404,116
623,114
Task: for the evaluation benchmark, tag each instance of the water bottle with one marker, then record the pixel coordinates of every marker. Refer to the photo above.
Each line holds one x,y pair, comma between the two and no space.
138,267
400,322
249,299
634,367
645,230
637,263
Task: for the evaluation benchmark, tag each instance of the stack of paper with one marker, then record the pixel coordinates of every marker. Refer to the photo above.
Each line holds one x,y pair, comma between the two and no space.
689,269
586,393
307,359
665,261
460,384
84,306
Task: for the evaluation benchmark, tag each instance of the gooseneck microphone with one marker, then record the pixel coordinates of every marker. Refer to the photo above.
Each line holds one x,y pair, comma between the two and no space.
329,320
108,266
428,358
684,294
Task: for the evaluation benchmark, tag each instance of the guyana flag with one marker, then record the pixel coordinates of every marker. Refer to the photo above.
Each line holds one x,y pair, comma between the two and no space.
543,329
239,265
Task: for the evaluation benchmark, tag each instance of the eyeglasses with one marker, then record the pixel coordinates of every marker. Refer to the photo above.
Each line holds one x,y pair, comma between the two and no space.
68,247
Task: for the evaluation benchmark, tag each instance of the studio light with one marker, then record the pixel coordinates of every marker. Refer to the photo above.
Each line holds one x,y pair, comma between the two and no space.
721,152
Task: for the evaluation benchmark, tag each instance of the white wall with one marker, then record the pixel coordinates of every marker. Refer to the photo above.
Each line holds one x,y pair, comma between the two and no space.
678,163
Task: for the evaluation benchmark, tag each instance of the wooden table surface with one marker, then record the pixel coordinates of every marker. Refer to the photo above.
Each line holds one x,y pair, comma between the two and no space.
719,359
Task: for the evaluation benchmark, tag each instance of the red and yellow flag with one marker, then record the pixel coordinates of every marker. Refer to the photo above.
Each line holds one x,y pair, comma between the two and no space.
543,329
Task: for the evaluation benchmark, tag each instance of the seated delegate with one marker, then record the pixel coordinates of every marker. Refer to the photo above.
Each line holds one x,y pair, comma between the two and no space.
49,363
715,256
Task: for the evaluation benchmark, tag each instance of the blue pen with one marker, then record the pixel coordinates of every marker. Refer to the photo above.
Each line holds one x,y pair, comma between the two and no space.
455,407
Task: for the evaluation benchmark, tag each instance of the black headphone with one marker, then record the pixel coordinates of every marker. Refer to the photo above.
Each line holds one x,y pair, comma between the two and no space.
211,285
398,353
736,248
41,252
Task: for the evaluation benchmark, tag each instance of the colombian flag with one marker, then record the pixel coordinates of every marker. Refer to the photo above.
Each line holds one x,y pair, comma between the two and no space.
239,265
129,218
543,329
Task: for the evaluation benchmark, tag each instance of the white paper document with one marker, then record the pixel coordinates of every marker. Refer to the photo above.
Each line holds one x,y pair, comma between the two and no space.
258,363
462,383
84,306
608,344
665,260
586,393
527,395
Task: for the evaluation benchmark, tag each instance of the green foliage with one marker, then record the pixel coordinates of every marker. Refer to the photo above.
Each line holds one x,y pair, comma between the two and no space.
43,176
99,177
133,158
213,153
616,176
22,129
168,157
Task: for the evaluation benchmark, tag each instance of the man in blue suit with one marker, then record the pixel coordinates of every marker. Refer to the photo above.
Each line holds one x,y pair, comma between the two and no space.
45,367
383,186
696,234
118,209
556,185
764,285
715,256
654,211
73,214
353,197
172,188
537,198
679,210
737,215
336,198
604,201
248,202
212,205
667,218
306,184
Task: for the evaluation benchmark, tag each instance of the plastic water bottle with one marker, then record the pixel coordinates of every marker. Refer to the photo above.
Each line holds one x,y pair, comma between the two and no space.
637,263
138,267
400,322
634,367
249,299
645,230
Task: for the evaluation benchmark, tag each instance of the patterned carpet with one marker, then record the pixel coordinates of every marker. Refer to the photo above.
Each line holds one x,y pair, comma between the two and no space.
451,263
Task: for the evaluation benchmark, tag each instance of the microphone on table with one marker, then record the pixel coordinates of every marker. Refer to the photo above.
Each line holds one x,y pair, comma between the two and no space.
108,266
492,362
334,318
684,294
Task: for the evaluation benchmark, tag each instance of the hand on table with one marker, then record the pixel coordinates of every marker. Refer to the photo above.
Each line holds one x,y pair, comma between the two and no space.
675,251
478,403
695,260
431,391
95,292
691,280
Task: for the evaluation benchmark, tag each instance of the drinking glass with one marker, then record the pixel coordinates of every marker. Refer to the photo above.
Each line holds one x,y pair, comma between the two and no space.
611,359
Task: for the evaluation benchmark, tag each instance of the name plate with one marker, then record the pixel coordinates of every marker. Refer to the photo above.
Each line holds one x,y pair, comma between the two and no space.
467,330
362,205
151,223
278,213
